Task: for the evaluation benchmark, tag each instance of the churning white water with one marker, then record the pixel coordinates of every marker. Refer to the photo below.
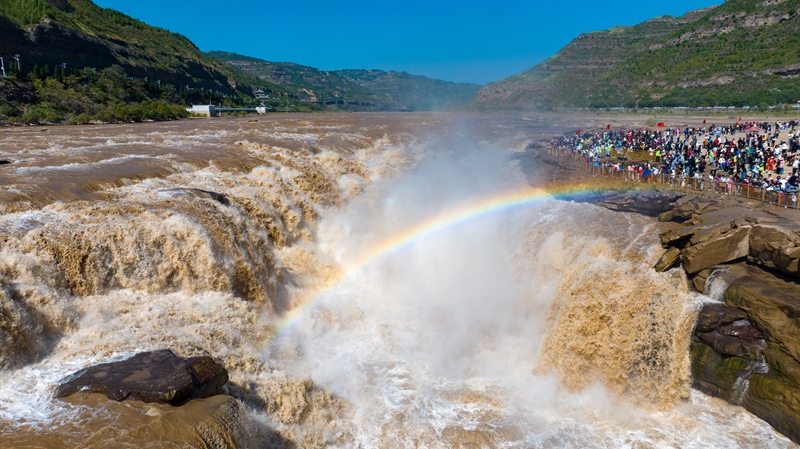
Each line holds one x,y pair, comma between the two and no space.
542,326
470,336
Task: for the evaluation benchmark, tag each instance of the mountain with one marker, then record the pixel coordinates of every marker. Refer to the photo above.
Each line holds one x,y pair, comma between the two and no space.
740,53
355,89
80,34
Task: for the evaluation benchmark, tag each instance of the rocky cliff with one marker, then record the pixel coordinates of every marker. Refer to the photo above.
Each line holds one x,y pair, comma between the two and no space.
746,344
80,34
745,256
733,54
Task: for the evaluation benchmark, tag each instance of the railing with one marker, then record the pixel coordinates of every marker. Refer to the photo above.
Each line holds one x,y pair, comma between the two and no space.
683,182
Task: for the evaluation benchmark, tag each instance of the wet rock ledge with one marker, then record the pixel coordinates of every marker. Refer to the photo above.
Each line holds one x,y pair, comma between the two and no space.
171,402
746,348
157,376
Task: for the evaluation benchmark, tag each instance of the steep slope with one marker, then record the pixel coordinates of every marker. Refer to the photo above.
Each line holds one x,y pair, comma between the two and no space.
743,52
408,91
356,89
80,34
300,82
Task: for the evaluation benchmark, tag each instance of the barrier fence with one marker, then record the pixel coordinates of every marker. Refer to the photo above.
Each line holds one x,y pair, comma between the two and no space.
683,182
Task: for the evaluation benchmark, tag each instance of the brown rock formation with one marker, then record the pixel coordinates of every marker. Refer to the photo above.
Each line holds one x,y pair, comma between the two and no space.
158,376
747,351
714,315
727,247
668,260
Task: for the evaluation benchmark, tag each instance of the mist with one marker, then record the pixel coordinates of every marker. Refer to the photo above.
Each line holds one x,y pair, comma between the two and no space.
537,326
450,314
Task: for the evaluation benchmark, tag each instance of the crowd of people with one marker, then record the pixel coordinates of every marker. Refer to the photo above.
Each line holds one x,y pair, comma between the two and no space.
728,157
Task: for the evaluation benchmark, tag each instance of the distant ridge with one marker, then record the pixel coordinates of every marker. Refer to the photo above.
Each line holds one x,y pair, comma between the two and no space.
740,53
355,89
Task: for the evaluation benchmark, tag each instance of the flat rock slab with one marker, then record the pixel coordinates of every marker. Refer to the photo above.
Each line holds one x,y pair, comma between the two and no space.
732,345
714,315
157,376
645,202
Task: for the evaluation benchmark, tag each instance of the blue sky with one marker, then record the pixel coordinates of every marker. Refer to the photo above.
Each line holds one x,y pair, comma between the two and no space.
465,41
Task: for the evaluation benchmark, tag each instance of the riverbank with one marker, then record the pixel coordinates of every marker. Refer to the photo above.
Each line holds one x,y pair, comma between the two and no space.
744,253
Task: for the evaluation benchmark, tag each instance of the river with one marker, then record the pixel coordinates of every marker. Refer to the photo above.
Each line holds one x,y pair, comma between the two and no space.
368,280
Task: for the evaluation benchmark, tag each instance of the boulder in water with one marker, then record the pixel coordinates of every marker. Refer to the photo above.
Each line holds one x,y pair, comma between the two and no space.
668,260
666,216
157,376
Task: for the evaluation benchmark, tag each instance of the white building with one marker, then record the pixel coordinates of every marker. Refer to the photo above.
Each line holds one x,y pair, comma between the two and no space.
206,110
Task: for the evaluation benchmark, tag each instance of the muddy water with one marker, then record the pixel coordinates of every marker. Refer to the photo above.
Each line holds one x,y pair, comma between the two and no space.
282,248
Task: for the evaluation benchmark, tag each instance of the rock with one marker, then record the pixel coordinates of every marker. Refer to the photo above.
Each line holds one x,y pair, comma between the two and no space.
692,205
714,315
699,281
707,231
741,329
674,237
645,202
772,304
776,402
218,197
746,351
157,376
775,246
701,228
719,376
782,364
670,258
666,216
198,193
751,349
726,247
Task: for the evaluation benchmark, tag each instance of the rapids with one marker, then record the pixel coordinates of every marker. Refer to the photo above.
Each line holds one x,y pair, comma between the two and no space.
281,248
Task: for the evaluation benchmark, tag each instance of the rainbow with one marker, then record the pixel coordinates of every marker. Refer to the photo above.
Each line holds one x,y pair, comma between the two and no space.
447,220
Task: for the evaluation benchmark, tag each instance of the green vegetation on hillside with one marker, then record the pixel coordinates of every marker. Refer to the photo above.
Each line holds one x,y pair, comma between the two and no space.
83,63
81,36
28,12
107,96
352,89
740,53
80,62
